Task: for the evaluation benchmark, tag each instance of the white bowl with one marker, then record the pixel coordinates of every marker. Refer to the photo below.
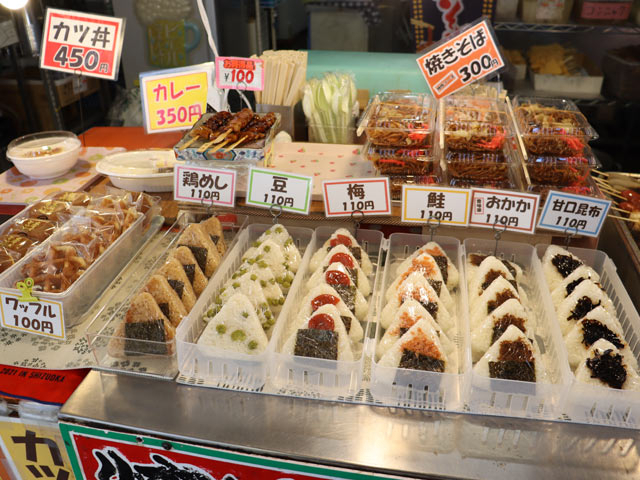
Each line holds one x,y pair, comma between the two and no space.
140,170
44,155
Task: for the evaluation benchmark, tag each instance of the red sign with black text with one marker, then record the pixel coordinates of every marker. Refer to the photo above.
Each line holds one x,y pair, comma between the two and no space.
82,43
605,10
461,60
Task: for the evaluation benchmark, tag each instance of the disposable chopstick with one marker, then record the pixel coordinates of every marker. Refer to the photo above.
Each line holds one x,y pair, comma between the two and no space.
188,142
236,144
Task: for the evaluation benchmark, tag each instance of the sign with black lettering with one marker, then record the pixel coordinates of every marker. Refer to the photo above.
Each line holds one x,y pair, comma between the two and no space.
369,196
515,211
574,214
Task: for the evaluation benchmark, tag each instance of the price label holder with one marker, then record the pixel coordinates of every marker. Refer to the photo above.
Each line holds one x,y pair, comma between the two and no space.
269,187
516,211
458,61
344,197
174,99
82,43
26,313
450,206
605,10
215,186
567,212
240,73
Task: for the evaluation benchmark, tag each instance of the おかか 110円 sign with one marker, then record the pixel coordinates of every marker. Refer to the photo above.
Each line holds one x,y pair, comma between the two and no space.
174,99
455,63
82,43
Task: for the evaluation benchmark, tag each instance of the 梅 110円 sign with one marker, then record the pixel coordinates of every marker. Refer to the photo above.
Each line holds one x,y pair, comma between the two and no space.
82,43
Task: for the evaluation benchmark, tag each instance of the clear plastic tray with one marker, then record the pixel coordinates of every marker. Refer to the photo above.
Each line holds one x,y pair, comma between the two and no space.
402,160
313,376
77,299
415,388
397,181
542,400
400,119
100,335
601,405
215,367
566,171
558,128
481,166
513,180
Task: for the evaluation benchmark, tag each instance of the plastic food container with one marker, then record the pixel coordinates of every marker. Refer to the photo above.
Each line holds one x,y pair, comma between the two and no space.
564,171
417,388
341,135
480,166
401,160
400,119
148,357
601,405
140,170
314,376
473,124
214,367
77,299
45,155
519,398
552,127
397,181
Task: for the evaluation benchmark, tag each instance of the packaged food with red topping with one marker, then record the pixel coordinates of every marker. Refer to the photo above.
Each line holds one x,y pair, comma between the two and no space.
565,171
552,127
475,124
400,119
481,166
401,160
397,181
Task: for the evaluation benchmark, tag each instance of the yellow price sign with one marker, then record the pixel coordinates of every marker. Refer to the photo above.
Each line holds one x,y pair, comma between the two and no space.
174,99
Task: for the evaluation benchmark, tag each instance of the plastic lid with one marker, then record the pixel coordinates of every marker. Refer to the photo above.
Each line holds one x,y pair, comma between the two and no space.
551,117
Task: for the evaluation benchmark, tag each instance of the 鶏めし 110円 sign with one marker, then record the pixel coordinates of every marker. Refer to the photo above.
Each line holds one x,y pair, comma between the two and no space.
82,43
455,63
174,99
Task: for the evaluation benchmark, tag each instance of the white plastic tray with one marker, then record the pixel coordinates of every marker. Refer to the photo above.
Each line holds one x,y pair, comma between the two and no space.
78,298
214,367
516,398
414,388
100,334
601,405
323,378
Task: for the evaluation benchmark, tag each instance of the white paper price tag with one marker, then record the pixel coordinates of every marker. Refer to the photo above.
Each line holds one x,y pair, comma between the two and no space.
367,195
240,73
514,211
448,205
574,214
270,187
43,317
209,186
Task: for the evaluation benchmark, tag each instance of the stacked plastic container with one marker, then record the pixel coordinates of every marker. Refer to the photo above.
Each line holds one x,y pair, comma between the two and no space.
400,131
555,138
476,140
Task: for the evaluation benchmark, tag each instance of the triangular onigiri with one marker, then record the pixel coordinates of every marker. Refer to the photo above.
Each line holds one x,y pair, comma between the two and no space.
270,254
447,267
341,254
337,277
604,366
586,296
568,285
495,295
342,236
279,234
557,264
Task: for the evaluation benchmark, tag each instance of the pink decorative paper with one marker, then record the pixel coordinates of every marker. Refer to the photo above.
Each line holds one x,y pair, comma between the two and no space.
322,161
19,189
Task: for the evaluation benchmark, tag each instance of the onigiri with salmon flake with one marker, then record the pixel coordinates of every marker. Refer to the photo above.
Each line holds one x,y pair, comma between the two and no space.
420,348
416,287
323,336
586,296
342,236
427,266
568,285
605,366
447,267
341,254
236,328
410,313
325,295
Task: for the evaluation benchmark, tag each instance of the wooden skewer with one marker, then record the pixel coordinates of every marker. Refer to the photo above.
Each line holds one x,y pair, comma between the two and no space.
222,136
218,147
604,174
188,142
621,210
236,144
624,218
205,146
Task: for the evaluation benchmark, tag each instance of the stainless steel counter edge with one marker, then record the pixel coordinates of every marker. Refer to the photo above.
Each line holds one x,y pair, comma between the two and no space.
379,439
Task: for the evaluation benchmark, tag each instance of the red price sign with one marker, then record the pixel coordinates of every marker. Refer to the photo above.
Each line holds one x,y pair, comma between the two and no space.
461,60
77,42
605,10
240,73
